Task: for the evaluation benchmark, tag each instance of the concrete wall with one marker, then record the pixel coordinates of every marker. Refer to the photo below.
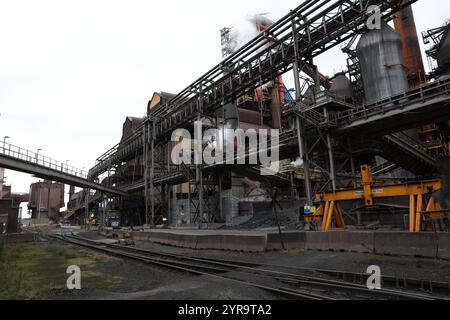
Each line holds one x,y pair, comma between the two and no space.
427,245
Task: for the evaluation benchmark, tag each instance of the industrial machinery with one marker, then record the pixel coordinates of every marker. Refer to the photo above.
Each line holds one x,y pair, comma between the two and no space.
381,111
424,208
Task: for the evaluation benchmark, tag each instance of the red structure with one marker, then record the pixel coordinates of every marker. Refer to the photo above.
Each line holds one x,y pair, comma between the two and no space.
412,56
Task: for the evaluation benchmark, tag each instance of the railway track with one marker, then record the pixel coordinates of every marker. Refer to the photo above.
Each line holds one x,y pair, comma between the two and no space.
197,269
287,284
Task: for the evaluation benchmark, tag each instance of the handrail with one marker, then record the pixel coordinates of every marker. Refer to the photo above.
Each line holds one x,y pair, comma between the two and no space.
423,93
417,146
22,154
312,28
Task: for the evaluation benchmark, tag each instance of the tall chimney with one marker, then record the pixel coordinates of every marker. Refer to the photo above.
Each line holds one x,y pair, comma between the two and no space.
412,56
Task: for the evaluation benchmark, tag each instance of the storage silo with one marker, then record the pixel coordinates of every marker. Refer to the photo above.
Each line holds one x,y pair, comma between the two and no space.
381,60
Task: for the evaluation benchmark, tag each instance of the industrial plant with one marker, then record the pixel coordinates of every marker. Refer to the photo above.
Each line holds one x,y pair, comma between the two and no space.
374,116
355,162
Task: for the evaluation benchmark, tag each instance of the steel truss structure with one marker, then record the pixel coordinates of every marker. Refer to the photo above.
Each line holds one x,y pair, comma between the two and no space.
291,44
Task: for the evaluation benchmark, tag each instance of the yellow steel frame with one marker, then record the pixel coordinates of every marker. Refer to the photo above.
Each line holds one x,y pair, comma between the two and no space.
423,209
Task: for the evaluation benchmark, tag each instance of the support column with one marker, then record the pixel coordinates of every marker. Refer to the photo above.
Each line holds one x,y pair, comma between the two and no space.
146,138
298,122
291,182
152,174
200,191
220,196
189,202
169,187
412,213
199,151
352,162
330,155
169,200
304,157
86,203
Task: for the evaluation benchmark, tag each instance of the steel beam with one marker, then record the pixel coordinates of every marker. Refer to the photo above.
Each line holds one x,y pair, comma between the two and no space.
53,175
319,26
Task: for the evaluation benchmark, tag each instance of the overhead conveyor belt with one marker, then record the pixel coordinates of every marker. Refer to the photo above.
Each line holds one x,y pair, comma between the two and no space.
313,28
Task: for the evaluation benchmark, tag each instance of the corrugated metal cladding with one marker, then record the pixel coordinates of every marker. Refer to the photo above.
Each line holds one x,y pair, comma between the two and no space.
381,59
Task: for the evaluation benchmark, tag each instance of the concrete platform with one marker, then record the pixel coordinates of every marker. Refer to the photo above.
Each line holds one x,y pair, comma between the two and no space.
245,241
428,245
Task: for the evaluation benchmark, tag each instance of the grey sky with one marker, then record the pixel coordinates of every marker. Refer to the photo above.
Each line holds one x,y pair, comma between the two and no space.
71,71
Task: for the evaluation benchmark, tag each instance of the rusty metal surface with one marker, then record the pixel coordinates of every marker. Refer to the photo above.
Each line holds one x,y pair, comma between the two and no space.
48,197
412,56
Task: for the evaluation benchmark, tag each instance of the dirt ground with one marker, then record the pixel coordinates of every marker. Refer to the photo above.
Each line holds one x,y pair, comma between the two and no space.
38,271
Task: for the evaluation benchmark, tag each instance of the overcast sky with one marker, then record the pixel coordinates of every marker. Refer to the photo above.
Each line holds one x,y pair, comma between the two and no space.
71,71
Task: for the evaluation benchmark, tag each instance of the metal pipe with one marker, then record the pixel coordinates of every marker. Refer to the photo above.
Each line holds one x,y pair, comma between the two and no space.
330,154
147,218
300,134
301,143
152,174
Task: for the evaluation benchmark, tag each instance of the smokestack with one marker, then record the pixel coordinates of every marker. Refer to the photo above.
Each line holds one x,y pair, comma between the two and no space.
412,56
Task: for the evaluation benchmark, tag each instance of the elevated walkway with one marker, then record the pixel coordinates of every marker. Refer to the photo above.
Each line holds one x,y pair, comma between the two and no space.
22,160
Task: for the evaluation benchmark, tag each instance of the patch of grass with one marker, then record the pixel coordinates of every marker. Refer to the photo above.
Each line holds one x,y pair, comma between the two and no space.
38,271
227,295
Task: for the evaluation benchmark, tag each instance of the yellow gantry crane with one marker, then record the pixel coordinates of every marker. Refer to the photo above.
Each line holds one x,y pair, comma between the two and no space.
423,206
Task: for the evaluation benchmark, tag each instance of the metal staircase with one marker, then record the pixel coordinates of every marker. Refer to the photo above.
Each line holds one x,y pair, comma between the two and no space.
311,116
407,153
